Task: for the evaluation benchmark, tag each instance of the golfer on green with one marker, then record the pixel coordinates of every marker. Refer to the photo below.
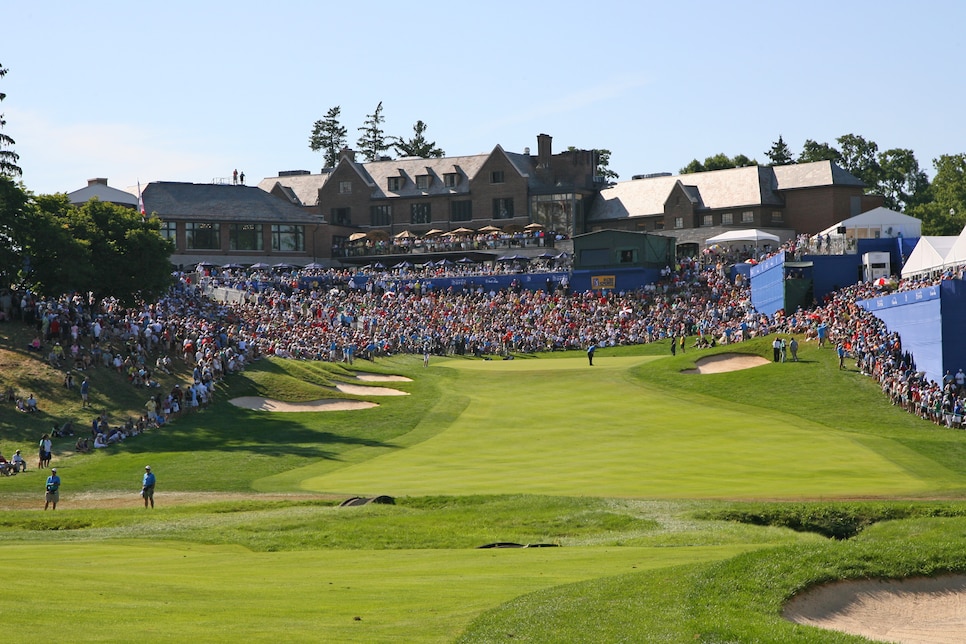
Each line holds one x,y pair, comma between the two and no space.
147,486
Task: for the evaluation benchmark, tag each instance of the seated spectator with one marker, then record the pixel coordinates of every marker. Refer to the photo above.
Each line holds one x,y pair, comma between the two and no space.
82,446
30,404
6,468
100,441
18,462
35,345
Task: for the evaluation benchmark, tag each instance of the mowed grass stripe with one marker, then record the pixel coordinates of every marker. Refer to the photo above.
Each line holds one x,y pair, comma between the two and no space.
127,592
579,430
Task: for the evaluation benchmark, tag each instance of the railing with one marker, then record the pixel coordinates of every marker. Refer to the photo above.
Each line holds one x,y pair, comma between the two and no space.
403,247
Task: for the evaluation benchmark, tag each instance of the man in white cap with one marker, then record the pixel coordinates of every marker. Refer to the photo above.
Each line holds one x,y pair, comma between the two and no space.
147,486
53,489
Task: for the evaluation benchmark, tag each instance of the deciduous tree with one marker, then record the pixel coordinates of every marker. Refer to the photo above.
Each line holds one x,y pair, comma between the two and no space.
945,213
901,181
813,151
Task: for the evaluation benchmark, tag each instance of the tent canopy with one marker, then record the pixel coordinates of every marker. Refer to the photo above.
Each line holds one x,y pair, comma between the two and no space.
878,222
929,255
751,234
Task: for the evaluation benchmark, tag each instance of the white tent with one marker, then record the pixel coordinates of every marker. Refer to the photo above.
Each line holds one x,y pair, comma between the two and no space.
957,254
752,234
878,222
929,255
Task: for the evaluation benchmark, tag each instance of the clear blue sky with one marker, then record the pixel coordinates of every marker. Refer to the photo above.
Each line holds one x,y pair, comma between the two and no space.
189,91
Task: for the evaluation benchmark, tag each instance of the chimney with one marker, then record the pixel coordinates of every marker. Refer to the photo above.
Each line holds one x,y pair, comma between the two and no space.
96,182
544,150
349,154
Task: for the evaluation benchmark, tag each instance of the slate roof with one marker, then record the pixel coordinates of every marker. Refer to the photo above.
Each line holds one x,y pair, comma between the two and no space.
304,187
718,189
218,202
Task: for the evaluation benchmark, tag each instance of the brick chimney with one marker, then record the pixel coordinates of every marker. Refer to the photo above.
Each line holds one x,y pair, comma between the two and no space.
349,154
544,150
96,182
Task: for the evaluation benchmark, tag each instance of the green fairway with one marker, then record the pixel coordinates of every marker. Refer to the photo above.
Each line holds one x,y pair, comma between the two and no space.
683,507
559,427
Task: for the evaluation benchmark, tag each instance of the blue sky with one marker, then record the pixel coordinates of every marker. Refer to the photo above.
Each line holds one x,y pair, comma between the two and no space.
189,91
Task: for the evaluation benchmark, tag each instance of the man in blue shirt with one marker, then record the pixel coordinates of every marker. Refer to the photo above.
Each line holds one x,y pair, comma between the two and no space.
53,489
147,486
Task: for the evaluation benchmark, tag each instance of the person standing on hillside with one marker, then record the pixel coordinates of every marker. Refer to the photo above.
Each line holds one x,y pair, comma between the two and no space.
147,486
45,447
85,390
52,489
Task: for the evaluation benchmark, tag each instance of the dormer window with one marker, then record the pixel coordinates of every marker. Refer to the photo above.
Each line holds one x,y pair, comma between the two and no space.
423,181
395,183
451,179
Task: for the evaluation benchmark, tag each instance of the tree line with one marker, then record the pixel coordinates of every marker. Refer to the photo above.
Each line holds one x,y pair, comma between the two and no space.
894,173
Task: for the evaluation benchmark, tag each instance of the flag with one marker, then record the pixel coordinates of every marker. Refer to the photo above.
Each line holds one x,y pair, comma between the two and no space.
140,200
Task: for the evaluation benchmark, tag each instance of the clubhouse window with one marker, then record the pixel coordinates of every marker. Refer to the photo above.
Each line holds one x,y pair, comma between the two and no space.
380,215
451,179
707,220
245,237
496,176
679,222
341,216
420,213
288,238
345,187
727,218
503,208
202,235
748,217
169,230
423,181
461,210
395,183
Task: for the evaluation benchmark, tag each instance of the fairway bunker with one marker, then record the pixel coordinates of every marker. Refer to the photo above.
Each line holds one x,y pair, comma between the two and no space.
725,362
378,377
363,390
267,404
920,609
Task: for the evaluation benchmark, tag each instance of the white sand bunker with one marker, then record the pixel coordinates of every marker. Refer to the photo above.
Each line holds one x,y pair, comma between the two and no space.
378,377
267,404
921,609
363,390
724,362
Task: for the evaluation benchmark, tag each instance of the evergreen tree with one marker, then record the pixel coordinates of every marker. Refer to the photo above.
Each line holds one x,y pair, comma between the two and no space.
8,158
417,146
779,154
329,136
372,142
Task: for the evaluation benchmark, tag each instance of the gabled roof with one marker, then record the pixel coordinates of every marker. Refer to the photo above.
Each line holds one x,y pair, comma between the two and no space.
218,202
928,255
305,187
717,189
408,168
104,193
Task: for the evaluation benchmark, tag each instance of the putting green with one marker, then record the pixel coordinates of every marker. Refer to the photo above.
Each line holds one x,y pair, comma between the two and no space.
594,431
126,591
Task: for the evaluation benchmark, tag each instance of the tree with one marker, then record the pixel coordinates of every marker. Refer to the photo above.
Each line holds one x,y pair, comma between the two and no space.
417,146
329,136
945,213
813,151
720,161
779,154
901,181
8,158
13,203
859,157
99,248
372,143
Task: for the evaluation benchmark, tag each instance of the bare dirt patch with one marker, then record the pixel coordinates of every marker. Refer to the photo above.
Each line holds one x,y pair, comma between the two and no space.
267,404
921,609
363,390
376,377
725,362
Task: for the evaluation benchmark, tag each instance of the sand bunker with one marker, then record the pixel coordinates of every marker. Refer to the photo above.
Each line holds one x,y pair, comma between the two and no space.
724,362
363,390
921,609
376,377
267,404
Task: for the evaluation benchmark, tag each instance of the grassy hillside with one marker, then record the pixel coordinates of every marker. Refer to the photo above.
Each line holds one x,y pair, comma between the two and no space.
680,507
